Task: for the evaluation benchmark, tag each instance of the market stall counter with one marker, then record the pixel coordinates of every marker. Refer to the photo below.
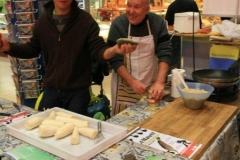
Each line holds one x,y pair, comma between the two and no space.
212,130
194,50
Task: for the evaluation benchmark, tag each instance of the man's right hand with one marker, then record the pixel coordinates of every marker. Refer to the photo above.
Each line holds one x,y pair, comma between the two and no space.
4,44
138,87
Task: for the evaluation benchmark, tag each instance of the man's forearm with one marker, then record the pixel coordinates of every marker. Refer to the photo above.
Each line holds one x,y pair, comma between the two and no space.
162,72
123,72
109,53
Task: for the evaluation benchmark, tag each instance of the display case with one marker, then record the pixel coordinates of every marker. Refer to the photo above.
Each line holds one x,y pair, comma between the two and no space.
27,73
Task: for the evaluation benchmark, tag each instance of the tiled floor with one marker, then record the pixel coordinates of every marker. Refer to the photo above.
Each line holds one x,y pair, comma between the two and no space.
7,87
8,90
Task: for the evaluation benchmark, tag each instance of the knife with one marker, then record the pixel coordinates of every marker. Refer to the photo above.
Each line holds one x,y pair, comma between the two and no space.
16,106
5,114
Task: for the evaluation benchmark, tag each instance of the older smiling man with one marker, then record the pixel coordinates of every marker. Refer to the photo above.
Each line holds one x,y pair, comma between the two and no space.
146,67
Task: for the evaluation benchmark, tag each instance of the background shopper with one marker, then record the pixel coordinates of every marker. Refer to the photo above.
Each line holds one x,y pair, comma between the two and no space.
179,6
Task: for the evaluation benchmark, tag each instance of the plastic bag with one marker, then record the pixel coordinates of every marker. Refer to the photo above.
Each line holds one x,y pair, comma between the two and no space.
101,105
229,29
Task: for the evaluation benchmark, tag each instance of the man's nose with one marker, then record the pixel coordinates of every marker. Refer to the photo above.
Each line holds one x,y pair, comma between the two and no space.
131,10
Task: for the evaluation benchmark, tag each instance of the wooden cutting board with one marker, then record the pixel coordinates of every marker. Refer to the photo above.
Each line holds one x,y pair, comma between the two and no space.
201,126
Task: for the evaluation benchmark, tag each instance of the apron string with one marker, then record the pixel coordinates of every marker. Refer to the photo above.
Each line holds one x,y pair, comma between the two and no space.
129,28
149,30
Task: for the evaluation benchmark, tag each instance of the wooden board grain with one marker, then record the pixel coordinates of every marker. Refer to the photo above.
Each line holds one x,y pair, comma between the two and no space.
201,126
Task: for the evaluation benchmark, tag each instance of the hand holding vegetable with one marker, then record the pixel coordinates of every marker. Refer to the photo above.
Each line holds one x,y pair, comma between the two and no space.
119,49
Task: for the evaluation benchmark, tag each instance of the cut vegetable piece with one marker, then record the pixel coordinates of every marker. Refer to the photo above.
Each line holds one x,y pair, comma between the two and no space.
52,115
33,122
75,136
65,114
65,130
52,122
121,41
76,122
88,132
47,131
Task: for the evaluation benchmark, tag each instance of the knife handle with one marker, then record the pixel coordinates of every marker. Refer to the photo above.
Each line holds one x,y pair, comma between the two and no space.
5,114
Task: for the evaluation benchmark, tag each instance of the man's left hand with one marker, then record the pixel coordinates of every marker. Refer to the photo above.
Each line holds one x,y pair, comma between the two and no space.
157,91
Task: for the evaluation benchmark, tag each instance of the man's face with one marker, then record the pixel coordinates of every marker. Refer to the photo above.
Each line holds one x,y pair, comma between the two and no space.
62,6
136,10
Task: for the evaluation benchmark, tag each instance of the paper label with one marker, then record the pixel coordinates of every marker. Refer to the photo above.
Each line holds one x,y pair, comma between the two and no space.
164,142
28,152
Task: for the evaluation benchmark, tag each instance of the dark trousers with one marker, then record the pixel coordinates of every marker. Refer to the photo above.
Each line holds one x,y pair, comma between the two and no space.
75,101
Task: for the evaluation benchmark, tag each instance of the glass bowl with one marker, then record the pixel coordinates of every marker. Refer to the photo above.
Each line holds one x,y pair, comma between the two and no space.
196,95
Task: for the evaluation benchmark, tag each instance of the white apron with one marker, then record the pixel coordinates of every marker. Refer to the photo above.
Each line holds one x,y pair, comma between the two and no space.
142,65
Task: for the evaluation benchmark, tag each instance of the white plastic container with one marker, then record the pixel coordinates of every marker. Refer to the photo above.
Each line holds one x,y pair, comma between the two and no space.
183,22
62,147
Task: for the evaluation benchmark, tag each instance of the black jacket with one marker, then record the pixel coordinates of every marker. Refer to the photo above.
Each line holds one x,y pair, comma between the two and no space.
67,56
179,6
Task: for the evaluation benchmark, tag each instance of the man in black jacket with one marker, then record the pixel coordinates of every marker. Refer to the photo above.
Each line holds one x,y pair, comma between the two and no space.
69,40
179,6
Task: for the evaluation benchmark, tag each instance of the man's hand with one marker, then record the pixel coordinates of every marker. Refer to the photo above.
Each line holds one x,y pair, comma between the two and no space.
4,44
119,49
157,90
124,48
138,87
